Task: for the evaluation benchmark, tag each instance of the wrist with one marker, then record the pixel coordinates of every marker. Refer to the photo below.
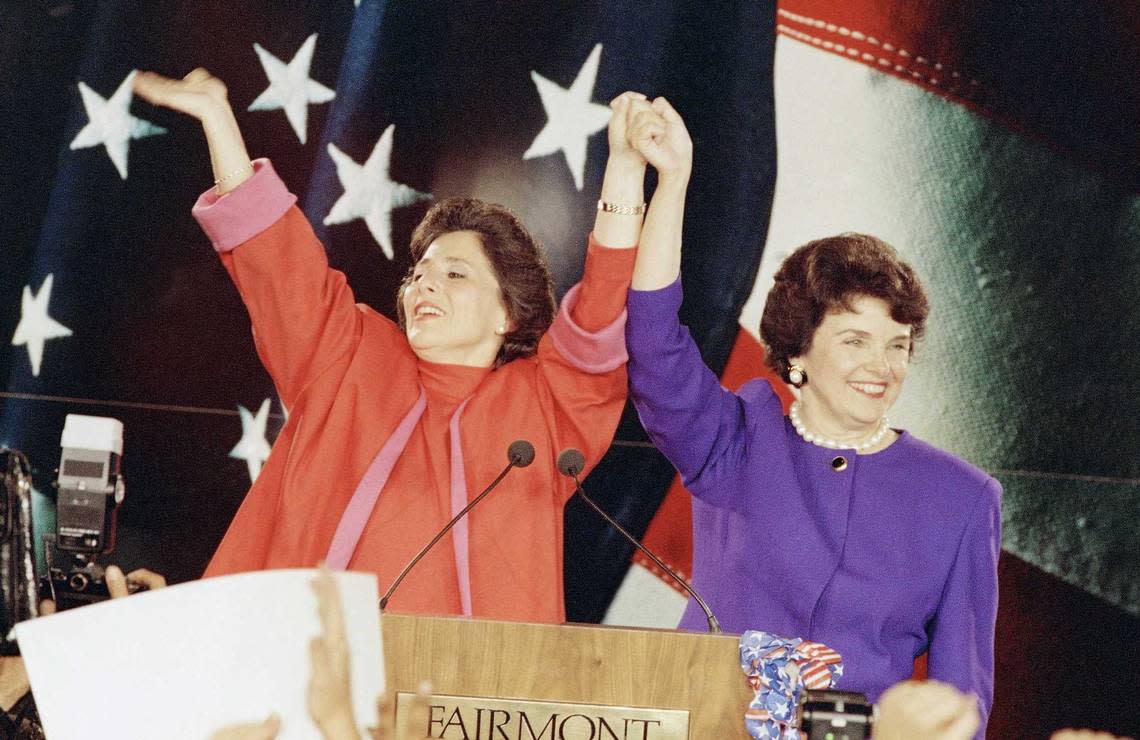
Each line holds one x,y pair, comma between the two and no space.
676,181
626,164
223,134
217,114
623,186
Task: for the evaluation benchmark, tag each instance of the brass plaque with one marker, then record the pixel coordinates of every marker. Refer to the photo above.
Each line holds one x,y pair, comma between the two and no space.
482,718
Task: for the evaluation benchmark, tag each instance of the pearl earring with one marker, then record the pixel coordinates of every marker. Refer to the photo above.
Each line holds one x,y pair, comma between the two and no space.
797,376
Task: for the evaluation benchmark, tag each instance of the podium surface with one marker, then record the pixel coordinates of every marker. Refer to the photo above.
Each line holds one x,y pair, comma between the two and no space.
574,664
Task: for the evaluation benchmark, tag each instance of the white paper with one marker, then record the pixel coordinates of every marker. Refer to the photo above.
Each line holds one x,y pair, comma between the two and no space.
184,661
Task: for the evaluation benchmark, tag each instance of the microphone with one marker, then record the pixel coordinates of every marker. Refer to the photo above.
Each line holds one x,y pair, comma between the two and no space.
519,455
571,463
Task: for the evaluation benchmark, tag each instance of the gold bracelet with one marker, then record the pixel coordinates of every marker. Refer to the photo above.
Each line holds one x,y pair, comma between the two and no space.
235,173
621,210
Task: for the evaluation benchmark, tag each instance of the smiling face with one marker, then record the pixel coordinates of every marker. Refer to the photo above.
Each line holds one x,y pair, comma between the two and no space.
453,306
855,364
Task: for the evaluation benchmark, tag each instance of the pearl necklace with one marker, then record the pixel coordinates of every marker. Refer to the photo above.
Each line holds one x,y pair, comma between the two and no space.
831,444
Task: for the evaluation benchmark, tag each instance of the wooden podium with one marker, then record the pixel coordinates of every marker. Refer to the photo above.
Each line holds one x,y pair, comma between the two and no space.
592,665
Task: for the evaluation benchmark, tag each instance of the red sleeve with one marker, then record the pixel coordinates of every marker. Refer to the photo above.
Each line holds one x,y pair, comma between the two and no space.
303,313
582,358
605,283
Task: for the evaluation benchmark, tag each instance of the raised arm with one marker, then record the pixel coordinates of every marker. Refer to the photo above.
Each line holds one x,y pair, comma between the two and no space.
660,135
204,97
688,415
618,223
303,313
600,299
583,355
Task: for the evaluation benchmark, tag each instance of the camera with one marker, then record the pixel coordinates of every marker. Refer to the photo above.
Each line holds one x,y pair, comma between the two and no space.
90,488
835,715
78,585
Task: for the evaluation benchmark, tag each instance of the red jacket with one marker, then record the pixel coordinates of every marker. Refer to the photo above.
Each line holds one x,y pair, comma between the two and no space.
348,377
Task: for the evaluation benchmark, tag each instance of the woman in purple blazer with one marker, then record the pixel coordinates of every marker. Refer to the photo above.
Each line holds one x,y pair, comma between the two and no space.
827,524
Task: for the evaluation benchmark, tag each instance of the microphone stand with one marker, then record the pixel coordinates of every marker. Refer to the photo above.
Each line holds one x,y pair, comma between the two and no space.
572,471
518,458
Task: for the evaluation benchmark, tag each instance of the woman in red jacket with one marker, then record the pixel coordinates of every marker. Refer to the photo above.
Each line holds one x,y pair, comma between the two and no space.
393,428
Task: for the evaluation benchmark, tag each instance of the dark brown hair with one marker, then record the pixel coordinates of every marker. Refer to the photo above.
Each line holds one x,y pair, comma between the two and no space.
826,275
516,257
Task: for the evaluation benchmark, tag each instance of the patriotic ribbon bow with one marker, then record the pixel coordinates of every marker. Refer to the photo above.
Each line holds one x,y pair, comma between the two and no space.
779,669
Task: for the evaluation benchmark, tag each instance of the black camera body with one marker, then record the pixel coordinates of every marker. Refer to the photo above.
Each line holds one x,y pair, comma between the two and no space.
78,586
835,715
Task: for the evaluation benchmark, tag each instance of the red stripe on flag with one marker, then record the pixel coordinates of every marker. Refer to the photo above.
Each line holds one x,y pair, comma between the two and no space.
1069,94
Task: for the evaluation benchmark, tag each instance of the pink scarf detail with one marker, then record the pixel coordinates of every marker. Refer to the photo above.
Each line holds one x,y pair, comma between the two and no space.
359,508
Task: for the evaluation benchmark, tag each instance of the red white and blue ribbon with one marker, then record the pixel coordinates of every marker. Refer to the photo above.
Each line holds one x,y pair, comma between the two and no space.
779,669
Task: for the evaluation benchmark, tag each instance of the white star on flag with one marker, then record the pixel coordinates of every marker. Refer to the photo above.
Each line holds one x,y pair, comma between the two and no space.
35,325
290,87
571,119
109,123
368,191
253,447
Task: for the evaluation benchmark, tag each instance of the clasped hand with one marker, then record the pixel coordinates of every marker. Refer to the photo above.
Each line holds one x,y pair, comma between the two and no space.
643,132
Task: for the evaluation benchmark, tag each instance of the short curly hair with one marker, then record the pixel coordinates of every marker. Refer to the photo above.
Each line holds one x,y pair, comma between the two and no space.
518,261
826,275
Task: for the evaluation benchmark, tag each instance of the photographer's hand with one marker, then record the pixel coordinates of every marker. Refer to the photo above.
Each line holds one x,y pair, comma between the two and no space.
117,585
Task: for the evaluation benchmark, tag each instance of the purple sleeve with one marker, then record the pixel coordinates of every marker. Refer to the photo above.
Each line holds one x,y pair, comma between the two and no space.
962,632
690,417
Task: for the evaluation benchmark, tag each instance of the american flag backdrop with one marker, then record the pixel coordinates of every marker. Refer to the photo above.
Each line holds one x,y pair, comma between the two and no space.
1008,174
113,301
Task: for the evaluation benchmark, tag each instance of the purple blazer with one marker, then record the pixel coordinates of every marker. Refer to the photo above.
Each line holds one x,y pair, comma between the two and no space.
894,555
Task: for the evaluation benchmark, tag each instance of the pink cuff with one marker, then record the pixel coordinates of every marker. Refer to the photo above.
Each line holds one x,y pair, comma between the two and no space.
592,352
245,211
